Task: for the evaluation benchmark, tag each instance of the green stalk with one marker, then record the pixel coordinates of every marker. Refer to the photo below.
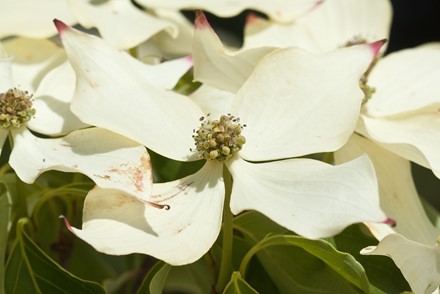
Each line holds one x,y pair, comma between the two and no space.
226,261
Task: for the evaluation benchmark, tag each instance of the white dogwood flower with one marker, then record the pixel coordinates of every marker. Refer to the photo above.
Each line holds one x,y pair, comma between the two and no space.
293,103
44,108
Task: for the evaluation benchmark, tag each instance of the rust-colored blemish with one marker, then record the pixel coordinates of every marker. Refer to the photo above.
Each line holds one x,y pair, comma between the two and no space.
171,194
135,174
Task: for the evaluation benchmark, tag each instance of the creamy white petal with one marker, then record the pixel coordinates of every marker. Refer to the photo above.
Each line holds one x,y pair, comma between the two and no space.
110,160
30,18
5,71
163,45
420,264
415,136
165,75
331,25
52,103
279,10
213,101
32,60
298,103
117,223
309,197
398,195
405,81
120,23
112,94
214,65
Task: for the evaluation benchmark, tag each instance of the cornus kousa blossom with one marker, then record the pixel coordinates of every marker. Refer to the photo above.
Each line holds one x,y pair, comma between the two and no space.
399,113
32,155
291,104
93,151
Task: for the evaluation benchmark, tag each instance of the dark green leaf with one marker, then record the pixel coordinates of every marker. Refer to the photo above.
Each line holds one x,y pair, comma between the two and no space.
155,279
308,266
381,270
4,223
30,270
197,277
256,226
238,286
256,275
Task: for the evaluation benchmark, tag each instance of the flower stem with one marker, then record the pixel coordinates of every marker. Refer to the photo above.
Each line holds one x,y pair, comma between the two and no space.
226,261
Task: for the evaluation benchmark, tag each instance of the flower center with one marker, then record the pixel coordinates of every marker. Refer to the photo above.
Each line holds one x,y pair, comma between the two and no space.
219,139
15,108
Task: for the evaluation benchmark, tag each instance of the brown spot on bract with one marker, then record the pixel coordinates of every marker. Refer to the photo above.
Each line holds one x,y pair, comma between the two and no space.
137,175
105,177
93,85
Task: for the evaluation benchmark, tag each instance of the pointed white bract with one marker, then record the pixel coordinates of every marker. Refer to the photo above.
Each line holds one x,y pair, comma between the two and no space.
214,65
179,233
309,197
115,94
299,116
270,92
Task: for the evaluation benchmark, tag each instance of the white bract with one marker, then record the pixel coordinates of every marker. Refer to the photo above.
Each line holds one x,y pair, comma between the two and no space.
287,115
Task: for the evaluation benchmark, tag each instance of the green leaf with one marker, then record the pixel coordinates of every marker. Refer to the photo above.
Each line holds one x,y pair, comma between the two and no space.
30,270
238,286
256,226
155,279
308,266
4,223
197,277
